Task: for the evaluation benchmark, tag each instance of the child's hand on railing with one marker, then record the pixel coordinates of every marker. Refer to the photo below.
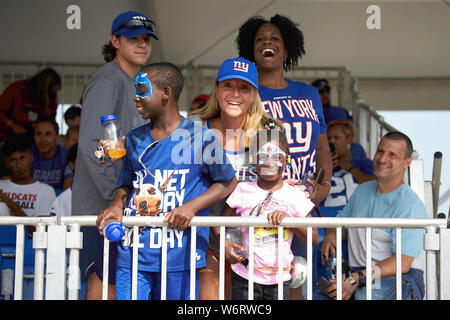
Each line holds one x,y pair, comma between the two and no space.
276,217
180,217
110,213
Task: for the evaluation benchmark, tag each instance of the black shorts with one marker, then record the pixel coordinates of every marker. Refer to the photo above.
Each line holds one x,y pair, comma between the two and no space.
91,256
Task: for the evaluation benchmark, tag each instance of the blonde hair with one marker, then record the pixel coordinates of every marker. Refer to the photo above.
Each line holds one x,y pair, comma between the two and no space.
345,125
254,121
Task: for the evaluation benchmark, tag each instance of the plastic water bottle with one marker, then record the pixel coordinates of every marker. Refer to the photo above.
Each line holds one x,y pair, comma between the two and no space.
113,230
237,236
111,131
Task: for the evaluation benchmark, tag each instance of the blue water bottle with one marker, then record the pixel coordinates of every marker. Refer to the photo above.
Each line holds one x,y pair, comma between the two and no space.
113,230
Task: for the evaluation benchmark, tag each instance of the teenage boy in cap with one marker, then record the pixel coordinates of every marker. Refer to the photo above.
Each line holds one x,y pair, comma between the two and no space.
110,91
159,180
330,112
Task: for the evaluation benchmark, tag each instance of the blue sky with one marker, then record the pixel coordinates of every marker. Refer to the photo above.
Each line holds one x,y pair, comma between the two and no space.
429,132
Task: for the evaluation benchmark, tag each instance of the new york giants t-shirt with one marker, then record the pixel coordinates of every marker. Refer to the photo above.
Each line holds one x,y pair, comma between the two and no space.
164,175
299,107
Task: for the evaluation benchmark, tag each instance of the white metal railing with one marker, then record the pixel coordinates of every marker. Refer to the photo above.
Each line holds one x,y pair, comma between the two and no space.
58,236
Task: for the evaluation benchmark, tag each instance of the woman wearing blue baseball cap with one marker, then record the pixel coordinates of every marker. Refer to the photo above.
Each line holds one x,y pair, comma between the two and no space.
275,45
110,91
235,113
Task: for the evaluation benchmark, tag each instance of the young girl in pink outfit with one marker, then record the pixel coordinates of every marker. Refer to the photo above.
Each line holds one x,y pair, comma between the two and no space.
274,199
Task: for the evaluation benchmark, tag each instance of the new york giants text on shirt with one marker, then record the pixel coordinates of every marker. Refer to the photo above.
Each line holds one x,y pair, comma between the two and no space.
299,133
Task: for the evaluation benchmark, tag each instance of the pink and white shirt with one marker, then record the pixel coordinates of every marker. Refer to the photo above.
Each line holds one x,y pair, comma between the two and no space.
245,199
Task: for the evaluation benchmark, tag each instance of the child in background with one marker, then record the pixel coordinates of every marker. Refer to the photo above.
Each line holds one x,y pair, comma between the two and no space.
156,181
62,206
71,137
72,119
274,199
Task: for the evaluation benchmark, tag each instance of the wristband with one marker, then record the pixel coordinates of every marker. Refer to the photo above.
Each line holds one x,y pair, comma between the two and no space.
362,280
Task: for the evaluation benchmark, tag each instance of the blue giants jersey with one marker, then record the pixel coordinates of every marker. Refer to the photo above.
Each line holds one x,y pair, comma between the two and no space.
164,175
299,107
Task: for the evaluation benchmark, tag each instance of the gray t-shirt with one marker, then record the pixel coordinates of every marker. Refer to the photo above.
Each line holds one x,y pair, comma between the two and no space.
110,91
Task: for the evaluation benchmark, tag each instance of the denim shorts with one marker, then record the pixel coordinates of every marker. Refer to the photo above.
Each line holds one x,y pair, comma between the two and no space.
382,289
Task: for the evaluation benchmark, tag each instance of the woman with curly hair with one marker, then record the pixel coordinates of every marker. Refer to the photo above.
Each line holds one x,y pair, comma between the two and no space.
235,114
276,45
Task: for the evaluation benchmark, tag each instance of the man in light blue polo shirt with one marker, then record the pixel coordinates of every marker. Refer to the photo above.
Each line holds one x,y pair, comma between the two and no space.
387,197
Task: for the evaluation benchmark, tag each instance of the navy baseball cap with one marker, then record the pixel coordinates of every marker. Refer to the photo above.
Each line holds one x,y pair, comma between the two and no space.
238,68
130,24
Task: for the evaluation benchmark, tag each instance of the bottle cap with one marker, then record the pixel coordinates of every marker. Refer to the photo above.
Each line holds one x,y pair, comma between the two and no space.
114,232
107,118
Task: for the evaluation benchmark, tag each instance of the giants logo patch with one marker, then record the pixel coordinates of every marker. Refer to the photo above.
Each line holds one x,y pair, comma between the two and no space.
240,66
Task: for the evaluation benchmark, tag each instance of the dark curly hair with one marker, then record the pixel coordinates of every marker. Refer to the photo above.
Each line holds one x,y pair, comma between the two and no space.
292,37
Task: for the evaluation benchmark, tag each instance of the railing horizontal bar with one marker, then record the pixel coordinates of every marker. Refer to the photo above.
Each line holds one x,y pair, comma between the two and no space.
241,221
27,221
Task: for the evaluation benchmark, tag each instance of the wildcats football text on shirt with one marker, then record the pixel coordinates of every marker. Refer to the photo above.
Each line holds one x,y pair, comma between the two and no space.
22,200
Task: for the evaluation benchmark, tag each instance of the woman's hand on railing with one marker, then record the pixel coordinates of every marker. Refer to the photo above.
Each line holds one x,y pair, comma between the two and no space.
230,254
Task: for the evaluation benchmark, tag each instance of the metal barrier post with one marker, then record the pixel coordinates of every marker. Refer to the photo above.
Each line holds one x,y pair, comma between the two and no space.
339,262
164,263
105,281
20,245
251,262
193,260
134,274
309,277
56,263
39,246
369,263
280,263
398,257
444,264
431,245
222,264
74,242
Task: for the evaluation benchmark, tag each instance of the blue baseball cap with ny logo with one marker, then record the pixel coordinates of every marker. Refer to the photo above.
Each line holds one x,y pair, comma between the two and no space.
238,68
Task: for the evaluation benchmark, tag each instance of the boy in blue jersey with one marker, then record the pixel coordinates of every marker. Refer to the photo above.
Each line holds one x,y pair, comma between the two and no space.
173,168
